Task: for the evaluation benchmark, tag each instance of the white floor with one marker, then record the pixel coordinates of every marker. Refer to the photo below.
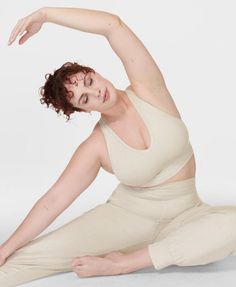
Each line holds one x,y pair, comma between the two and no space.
217,274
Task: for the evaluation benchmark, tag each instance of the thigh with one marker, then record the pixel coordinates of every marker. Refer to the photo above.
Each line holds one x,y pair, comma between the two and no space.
196,215
201,234
96,232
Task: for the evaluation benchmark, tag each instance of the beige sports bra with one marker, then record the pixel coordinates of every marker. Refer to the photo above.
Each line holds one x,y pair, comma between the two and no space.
169,151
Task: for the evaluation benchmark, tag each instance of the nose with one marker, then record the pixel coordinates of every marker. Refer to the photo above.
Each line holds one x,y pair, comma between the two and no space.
95,92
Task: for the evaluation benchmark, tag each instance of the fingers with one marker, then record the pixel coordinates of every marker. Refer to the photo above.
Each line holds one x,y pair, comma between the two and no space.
24,38
2,261
12,36
19,29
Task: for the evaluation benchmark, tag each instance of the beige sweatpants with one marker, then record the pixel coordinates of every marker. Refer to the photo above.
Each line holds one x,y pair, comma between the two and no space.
178,228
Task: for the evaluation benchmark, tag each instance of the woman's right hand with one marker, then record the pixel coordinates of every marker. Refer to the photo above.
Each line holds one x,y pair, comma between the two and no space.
2,257
5,252
2,260
30,24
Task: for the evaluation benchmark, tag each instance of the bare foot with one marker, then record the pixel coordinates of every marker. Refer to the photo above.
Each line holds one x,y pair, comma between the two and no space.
88,266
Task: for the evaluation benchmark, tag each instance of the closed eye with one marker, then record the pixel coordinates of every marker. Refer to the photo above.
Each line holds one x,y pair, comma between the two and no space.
86,96
90,82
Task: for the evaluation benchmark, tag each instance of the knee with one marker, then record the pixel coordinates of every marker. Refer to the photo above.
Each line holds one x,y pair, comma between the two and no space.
230,214
229,219
232,218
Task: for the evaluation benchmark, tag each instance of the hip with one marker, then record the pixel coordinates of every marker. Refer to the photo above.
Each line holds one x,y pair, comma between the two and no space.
157,203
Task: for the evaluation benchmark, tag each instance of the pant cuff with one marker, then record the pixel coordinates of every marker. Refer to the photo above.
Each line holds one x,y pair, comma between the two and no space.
160,254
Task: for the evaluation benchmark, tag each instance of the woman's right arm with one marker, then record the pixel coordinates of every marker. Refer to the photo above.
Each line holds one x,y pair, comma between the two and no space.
77,176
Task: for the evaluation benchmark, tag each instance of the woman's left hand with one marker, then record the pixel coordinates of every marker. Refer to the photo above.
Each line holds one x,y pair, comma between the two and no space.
2,257
30,24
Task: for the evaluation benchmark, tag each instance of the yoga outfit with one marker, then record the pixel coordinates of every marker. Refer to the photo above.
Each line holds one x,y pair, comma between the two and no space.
171,220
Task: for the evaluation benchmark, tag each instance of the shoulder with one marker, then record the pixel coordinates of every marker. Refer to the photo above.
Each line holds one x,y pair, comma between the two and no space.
159,98
159,94
97,141
93,142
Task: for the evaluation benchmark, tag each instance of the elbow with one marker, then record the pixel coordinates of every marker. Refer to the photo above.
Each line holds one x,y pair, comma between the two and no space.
116,21
113,23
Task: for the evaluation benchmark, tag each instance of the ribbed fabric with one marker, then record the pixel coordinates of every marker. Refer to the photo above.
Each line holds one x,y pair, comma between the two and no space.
169,151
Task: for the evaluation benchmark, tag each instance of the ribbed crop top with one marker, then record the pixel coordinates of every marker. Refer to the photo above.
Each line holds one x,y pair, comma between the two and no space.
169,151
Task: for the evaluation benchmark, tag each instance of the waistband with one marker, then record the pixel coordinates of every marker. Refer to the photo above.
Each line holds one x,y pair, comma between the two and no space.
161,202
180,187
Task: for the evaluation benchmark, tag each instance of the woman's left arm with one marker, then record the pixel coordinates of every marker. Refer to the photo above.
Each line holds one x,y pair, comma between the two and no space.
91,21
86,20
140,67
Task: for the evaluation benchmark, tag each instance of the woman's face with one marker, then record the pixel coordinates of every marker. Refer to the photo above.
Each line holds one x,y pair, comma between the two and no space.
89,91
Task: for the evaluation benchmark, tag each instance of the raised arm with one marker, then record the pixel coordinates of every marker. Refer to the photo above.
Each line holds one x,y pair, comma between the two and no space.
91,21
80,172
140,67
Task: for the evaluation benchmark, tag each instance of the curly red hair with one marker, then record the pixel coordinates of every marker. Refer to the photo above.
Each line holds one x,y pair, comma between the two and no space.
54,94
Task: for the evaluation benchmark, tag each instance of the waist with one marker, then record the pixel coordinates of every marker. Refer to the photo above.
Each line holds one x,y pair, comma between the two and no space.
162,202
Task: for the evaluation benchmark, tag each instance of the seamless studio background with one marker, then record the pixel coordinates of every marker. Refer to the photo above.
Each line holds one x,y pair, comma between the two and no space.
193,43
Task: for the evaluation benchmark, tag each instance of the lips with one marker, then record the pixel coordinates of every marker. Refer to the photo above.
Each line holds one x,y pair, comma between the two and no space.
105,96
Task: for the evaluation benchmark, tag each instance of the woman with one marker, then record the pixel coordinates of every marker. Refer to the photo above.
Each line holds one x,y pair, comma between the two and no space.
154,217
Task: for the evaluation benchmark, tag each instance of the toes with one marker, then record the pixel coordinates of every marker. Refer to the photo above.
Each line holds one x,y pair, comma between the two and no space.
79,261
76,262
80,271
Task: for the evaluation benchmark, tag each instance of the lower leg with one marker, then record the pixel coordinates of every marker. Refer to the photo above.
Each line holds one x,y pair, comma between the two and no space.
136,260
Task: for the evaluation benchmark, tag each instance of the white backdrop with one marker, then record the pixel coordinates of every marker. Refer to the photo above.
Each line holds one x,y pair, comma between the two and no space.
193,43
